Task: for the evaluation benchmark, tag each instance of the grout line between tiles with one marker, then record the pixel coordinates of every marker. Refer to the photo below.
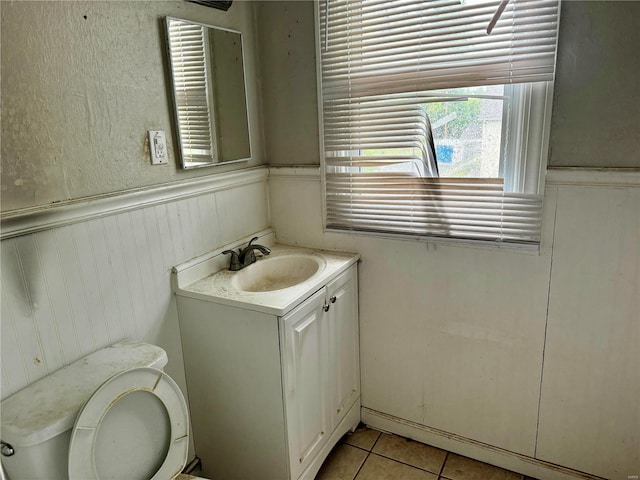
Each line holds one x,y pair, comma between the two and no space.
403,463
439,475
408,464
362,465
446,457
356,446
370,452
376,442
368,455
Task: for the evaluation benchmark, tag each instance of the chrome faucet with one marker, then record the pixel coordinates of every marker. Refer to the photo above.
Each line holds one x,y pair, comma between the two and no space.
245,256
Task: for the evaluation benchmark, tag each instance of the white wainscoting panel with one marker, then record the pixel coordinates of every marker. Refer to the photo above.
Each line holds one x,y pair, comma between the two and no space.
590,402
83,284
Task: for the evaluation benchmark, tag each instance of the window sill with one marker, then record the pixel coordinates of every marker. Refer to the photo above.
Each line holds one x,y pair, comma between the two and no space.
523,248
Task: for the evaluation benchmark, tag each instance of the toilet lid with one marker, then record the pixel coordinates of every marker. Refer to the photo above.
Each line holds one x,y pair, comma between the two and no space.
137,419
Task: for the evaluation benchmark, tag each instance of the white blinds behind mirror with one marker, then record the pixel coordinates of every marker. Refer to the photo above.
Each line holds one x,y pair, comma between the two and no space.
187,45
379,61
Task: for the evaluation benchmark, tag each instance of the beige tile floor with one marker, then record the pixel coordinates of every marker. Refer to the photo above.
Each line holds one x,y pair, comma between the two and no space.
369,454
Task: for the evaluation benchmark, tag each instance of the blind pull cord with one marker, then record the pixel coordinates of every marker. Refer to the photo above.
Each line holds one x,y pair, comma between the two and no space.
496,16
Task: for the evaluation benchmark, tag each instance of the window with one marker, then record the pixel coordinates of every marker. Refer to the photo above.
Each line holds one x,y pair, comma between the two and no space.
432,126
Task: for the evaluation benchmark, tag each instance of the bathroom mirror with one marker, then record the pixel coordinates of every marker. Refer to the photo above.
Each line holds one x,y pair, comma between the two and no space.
209,93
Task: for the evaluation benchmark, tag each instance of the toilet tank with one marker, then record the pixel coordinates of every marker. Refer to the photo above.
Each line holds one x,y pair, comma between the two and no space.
36,421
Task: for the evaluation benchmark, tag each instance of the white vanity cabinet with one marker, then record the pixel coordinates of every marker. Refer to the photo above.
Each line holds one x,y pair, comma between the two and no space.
320,367
272,388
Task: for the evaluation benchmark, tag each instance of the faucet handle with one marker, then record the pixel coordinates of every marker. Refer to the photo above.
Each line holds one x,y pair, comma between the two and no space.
234,266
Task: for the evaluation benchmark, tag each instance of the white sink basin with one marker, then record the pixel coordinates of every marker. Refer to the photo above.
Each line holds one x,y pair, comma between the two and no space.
275,273
273,285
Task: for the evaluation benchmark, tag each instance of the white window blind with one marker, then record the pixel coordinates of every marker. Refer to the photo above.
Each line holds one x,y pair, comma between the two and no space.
188,49
381,62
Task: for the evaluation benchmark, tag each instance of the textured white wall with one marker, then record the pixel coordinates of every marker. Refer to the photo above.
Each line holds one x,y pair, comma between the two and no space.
82,82
287,57
596,102
596,118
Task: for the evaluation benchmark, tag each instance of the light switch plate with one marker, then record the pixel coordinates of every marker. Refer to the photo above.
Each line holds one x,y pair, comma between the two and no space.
158,147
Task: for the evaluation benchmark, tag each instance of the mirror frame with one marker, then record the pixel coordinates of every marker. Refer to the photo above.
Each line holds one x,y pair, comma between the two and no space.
185,165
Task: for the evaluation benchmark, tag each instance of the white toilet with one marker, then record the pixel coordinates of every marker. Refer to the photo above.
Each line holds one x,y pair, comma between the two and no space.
113,414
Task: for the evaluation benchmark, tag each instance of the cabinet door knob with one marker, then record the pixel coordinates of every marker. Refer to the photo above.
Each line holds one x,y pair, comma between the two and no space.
326,307
333,299
6,449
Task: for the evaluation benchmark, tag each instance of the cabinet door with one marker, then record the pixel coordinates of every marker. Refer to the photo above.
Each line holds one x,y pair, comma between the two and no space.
305,358
344,357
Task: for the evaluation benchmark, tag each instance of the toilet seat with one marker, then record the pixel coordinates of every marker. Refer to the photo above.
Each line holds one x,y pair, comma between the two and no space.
84,436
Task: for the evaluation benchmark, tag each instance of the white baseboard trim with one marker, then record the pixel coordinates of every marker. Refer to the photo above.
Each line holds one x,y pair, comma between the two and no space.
34,219
471,448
